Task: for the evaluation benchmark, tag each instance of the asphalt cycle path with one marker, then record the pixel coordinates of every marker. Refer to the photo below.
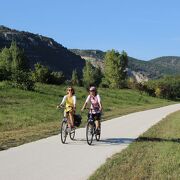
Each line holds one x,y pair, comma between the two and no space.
49,159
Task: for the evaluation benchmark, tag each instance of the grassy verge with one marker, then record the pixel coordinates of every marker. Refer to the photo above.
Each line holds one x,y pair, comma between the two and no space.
27,116
155,155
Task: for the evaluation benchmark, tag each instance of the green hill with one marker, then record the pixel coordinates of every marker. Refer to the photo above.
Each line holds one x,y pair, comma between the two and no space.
155,68
42,49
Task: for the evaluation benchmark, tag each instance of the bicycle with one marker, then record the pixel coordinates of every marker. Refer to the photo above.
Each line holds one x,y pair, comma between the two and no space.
91,129
64,130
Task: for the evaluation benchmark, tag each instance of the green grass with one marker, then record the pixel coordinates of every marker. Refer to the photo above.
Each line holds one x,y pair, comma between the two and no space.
154,155
27,116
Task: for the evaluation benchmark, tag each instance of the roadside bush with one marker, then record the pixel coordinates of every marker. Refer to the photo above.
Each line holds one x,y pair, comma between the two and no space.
22,80
41,73
104,83
167,87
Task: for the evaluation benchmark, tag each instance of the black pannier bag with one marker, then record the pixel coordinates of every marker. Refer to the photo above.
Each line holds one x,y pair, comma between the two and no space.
77,120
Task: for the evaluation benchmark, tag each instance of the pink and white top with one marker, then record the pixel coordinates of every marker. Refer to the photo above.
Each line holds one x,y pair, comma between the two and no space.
95,103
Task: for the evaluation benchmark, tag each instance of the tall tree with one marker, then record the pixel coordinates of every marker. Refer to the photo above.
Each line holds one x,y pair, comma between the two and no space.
123,68
91,75
75,79
115,68
5,64
112,68
98,75
19,60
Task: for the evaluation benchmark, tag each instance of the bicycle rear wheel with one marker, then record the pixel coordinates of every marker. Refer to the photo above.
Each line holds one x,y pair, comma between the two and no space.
98,136
89,133
63,131
72,134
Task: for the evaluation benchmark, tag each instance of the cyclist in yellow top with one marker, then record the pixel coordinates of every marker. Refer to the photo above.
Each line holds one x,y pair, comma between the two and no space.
69,101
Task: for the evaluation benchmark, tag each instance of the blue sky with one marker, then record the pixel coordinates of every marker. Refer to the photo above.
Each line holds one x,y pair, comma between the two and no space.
145,29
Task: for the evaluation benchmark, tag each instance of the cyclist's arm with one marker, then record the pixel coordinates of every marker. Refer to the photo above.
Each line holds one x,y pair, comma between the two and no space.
85,104
63,101
99,101
74,102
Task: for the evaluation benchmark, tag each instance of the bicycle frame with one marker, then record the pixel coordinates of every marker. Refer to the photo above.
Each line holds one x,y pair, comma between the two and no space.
91,129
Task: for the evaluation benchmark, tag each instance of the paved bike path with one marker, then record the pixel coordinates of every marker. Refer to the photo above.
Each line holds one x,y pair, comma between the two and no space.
49,159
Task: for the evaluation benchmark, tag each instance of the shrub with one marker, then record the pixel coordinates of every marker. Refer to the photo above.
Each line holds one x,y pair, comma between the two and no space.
167,87
56,78
41,73
22,80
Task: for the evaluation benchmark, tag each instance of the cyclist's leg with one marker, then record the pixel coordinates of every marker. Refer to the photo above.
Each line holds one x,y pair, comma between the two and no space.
71,118
97,120
68,119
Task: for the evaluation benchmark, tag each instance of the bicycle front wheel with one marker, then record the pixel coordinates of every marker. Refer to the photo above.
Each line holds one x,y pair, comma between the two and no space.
63,131
89,133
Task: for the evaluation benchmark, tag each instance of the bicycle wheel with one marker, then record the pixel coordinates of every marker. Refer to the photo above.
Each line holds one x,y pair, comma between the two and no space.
63,131
89,132
72,134
98,136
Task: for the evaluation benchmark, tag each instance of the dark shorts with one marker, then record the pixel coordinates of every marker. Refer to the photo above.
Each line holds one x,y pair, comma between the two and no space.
96,116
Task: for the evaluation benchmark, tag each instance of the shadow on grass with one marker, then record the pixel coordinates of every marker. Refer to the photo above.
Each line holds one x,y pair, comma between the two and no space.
149,139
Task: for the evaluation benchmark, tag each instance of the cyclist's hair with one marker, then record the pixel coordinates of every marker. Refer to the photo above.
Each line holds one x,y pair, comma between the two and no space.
95,90
70,87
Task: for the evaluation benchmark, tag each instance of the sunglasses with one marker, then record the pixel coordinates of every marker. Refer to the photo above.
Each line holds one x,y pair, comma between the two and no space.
70,90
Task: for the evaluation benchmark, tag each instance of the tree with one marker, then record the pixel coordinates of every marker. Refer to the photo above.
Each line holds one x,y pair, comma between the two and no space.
91,75
75,79
57,78
5,64
123,69
115,68
98,76
14,66
19,60
112,68
41,73
20,71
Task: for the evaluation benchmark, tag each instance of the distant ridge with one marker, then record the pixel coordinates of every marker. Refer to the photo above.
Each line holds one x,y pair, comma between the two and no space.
155,68
43,49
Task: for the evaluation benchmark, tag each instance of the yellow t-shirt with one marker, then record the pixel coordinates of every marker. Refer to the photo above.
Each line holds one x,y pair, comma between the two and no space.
69,102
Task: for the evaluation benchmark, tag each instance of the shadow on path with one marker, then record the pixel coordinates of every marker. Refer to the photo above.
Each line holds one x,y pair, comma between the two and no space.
104,142
115,141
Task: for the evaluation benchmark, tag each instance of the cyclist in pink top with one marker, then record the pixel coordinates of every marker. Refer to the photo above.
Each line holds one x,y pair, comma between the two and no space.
96,105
